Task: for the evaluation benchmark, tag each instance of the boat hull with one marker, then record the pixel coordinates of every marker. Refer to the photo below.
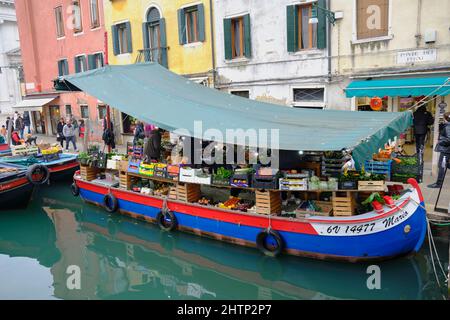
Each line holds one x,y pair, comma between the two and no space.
15,193
390,235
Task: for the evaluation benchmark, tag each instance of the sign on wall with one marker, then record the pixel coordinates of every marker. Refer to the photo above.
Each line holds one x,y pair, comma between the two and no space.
416,56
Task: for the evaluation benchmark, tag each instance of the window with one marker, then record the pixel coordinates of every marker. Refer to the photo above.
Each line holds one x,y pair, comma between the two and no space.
191,24
307,33
95,61
59,22
237,37
372,19
128,123
301,35
63,67
155,38
84,109
101,112
95,17
76,13
241,93
122,38
80,63
309,97
68,110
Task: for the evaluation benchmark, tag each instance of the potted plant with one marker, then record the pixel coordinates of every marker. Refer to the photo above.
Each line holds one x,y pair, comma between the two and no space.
83,159
348,180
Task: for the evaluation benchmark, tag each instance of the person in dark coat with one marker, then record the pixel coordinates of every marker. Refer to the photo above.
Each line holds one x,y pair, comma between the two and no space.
138,132
443,146
152,145
59,132
422,120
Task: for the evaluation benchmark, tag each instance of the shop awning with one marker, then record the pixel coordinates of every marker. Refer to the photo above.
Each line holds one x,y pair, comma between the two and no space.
399,87
153,94
33,104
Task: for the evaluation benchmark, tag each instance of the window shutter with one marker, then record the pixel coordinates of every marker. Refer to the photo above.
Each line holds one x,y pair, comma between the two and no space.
115,40
129,39
322,26
91,62
162,26
77,65
66,67
201,22
182,27
227,39
60,71
145,35
83,61
247,37
292,28
101,60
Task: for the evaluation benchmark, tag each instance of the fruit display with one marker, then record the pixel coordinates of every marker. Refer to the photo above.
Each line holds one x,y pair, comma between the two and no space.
231,203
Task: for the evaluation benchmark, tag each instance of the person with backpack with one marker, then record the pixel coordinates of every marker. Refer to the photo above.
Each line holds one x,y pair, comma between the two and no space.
422,120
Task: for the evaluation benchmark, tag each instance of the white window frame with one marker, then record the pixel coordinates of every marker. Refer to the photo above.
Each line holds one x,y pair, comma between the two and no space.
58,37
308,104
230,91
81,113
98,13
355,27
85,57
103,55
116,24
98,110
80,32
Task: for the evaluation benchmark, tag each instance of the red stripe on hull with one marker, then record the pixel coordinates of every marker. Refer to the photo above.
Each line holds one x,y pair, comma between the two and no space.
13,184
58,168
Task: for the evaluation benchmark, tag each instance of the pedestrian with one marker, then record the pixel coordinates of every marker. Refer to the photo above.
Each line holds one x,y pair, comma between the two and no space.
69,135
59,132
19,125
3,132
422,120
138,132
26,122
108,134
443,146
81,129
152,146
8,119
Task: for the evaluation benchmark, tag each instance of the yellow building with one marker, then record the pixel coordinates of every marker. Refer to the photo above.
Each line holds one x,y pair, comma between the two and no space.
175,33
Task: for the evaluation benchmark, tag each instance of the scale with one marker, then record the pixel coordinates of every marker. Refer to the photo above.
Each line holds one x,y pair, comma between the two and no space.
440,209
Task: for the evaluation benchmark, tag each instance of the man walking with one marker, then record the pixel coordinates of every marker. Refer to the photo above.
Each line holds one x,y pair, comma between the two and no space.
26,122
422,120
69,135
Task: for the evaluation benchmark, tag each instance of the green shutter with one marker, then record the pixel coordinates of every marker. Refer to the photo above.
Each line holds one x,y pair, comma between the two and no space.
115,40
322,26
227,39
77,65
162,27
201,22
91,62
292,28
145,35
66,67
182,27
247,37
83,61
129,38
60,71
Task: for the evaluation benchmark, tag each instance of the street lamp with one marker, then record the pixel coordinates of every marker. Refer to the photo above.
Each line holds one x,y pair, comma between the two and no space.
314,12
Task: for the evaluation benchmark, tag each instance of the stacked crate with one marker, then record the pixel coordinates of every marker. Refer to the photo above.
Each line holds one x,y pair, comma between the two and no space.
188,192
333,167
344,204
88,173
173,193
379,167
268,202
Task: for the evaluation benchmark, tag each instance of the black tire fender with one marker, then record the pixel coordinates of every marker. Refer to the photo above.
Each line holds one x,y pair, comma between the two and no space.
264,248
166,220
110,203
38,168
75,189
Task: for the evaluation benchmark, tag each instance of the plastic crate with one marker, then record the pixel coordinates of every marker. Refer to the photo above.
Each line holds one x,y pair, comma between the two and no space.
379,167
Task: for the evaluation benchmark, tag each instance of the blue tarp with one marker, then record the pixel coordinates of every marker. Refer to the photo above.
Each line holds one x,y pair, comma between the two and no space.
154,94
404,87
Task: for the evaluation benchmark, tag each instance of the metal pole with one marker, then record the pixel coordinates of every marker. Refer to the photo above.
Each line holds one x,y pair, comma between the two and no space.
8,134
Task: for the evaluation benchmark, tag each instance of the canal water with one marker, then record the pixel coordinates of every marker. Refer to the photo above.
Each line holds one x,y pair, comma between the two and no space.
120,258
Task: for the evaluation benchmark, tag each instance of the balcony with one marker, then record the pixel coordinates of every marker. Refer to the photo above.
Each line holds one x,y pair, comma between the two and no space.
158,55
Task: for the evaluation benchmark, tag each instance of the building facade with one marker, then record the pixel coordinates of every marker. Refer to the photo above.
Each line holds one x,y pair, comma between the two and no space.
10,58
60,37
384,40
174,33
268,50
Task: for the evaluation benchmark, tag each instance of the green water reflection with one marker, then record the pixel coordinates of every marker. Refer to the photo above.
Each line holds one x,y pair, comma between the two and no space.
120,258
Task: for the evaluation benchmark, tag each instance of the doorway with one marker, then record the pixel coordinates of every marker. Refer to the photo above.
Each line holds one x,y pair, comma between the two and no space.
55,115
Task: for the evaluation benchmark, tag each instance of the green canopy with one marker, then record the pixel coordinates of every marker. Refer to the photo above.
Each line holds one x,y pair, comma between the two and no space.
403,87
155,95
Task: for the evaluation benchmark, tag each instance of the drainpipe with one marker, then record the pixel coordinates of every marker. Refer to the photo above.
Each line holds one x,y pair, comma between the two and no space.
213,51
418,23
329,44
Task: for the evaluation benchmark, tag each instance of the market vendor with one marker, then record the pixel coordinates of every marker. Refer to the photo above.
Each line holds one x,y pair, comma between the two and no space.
152,145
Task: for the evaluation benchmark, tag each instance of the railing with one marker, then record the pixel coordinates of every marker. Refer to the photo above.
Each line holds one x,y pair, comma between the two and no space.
152,55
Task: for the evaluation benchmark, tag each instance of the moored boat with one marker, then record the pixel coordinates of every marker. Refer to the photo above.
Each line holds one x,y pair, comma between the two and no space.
15,187
61,168
377,235
5,150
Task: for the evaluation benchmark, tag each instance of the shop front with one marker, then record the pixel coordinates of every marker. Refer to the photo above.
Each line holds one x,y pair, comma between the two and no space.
36,109
400,95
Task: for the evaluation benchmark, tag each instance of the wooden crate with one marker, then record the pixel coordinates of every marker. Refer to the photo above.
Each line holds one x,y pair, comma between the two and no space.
371,185
344,204
173,193
123,166
188,192
88,173
268,202
125,181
